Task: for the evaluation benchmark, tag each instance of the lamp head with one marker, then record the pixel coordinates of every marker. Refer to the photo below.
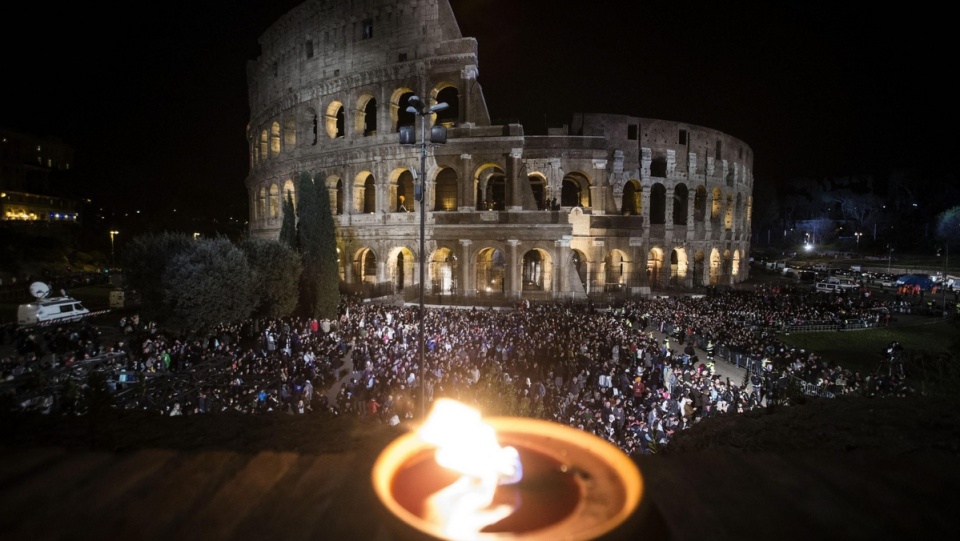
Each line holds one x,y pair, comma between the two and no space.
438,107
415,103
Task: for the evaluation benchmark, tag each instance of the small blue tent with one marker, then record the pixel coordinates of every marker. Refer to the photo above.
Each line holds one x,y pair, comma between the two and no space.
922,280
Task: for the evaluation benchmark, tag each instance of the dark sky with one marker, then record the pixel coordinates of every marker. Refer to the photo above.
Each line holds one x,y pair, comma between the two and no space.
154,98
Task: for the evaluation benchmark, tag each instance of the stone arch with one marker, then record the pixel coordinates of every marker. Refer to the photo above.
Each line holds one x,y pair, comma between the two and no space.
288,188
658,204
698,268
491,185
398,108
680,199
365,191
617,269
715,207
401,190
445,191
728,214
700,204
575,190
365,117
312,125
365,266
446,92
273,204
632,198
334,185
261,212
402,267
654,266
289,133
538,185
274,139
727,266
738,212
678,266
334,120
264,146
658,167
715,269
490,270
443,274
536,270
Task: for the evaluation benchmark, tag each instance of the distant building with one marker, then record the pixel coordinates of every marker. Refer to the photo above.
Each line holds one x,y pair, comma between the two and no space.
605,203
30,170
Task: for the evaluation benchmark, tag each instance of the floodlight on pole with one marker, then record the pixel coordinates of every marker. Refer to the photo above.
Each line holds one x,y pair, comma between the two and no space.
113,254
438,136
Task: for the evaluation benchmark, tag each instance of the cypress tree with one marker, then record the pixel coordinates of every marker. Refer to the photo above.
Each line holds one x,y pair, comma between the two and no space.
321,278
288,228
328,291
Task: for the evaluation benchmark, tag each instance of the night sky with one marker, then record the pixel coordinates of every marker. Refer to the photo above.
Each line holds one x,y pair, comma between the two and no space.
154,98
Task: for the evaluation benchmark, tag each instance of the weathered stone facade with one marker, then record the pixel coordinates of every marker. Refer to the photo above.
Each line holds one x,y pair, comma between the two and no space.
639,203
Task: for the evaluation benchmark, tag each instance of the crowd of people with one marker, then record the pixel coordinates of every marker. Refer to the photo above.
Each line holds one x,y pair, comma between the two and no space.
634,373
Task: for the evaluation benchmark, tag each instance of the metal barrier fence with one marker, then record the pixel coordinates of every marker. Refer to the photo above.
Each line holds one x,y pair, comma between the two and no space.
752,365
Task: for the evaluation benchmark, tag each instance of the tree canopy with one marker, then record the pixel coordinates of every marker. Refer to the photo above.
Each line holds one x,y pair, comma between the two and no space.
277,269
208,283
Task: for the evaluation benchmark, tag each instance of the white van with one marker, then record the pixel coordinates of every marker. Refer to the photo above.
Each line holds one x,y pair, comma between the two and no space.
51,310
45,309
827,287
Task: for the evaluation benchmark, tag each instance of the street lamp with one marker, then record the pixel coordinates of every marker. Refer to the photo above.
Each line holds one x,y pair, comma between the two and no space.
943,281
858,235
113,255
408,136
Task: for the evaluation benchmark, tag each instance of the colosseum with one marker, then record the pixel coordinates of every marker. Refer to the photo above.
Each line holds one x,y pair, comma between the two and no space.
606,204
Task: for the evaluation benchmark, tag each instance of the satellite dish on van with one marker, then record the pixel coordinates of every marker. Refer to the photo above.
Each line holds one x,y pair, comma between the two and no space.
39,290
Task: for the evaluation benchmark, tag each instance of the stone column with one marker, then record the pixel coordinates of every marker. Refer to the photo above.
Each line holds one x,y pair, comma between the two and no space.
514,200
467,193
468,273
561,262
598,203
691,225
513,271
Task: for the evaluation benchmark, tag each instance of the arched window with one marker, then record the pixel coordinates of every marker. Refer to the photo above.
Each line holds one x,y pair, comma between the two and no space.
274,139
366,116
450,116
274,201
680,205
402,117
289,189
700,204
335,120
632,198
369,195
446,192
289,133
261,203
658,204
264,145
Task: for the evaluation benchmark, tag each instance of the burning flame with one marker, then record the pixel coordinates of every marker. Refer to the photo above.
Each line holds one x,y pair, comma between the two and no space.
467,445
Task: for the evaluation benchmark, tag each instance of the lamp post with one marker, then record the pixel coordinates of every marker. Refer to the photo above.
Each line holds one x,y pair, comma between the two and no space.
858,235
943,281
438,135
113,255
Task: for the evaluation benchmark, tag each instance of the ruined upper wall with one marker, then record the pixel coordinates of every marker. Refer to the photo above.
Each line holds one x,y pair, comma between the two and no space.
320,42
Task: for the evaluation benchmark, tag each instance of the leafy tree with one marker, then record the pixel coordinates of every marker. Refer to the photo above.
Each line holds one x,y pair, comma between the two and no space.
321,277
288,228
208,283
277,269
145,261
948,226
